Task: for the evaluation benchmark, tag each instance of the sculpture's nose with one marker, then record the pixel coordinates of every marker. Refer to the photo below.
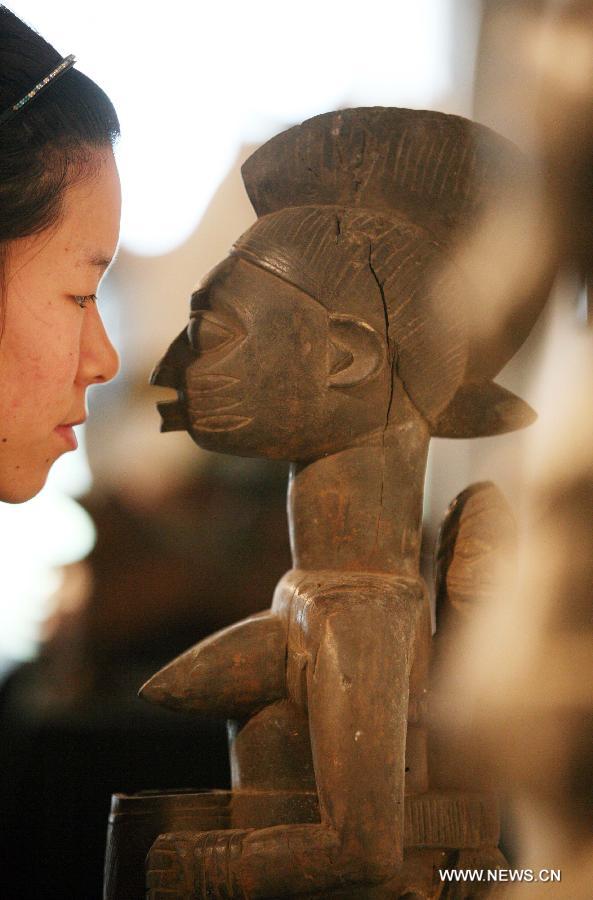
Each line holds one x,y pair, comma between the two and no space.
168,372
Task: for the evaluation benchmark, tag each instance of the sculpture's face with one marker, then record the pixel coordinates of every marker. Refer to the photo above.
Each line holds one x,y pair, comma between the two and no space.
262,370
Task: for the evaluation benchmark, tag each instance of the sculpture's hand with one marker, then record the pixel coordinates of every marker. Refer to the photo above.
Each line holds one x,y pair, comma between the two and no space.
186,865
235,864
164,867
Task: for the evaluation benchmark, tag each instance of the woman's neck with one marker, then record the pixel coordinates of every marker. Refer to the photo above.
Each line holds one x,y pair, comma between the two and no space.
361,509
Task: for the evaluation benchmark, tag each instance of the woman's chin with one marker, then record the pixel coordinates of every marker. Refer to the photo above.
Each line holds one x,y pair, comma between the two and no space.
20,486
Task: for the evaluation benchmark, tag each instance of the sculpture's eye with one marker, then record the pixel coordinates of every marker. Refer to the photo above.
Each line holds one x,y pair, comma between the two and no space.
207,333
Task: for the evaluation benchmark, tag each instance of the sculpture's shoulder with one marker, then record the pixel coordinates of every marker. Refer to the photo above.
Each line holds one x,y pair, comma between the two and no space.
302,592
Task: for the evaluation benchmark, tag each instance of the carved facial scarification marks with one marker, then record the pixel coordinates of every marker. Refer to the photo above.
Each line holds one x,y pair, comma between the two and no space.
210,393
212,408
220,423
211,383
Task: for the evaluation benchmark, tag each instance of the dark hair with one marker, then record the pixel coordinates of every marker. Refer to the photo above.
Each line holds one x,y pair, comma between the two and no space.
48,145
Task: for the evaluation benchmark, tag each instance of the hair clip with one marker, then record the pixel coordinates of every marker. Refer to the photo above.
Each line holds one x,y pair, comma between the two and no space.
63,66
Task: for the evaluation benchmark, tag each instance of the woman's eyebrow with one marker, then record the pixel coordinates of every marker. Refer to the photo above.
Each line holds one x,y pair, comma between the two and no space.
99,261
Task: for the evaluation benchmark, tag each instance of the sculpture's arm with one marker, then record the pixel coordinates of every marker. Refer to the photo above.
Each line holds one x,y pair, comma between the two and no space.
358,707
230,674
358,699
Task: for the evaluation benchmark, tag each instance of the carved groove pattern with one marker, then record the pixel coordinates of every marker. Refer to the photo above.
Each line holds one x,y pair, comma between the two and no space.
215,852
449,821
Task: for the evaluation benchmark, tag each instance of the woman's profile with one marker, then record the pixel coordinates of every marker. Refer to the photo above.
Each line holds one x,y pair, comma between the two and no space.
59,227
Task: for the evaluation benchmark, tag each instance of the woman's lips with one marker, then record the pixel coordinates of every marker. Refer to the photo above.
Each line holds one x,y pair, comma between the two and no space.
66,432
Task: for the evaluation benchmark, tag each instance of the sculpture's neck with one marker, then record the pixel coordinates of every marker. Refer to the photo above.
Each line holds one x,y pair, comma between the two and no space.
361,508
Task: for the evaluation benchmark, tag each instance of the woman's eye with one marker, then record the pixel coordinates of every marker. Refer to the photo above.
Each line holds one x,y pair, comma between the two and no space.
206,334
84,299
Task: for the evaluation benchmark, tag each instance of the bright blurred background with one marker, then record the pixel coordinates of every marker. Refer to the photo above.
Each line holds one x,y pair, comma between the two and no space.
141,543
197,87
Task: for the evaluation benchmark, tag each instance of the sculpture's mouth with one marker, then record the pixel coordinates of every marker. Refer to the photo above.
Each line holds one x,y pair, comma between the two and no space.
173,414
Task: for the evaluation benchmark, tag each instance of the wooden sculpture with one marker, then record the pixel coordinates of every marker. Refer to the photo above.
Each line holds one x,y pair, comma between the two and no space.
335,335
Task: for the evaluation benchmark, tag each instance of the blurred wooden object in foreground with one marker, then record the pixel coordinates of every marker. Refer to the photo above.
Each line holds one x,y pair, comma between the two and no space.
517,691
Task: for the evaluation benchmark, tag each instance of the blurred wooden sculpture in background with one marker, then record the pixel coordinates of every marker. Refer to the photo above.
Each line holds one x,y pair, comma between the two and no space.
339,336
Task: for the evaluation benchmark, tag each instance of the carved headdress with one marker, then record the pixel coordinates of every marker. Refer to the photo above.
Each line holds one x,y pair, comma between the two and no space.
362,209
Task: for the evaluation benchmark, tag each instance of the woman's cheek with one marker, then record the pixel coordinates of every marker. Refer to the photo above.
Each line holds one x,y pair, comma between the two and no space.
52,382
62,359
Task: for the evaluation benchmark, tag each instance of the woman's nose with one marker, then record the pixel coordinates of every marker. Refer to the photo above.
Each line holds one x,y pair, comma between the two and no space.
168,372
99,360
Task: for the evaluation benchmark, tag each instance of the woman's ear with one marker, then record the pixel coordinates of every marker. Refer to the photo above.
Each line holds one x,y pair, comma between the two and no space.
357,351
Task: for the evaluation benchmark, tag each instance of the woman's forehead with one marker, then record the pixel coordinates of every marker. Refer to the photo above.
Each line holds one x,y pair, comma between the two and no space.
85,236
91,213
59,248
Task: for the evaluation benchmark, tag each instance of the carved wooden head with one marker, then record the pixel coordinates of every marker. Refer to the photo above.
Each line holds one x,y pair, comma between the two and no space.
343,290
263,369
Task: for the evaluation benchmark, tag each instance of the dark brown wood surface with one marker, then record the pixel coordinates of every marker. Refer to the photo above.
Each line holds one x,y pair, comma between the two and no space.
336,335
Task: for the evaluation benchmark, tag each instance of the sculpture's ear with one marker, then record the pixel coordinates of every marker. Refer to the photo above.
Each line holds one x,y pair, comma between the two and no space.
357,351
482,408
